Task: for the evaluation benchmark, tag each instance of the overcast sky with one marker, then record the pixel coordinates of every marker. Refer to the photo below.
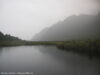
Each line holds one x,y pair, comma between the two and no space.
25,18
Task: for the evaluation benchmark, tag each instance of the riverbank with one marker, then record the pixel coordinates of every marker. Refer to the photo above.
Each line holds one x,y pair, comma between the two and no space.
23,42
89,47
72,44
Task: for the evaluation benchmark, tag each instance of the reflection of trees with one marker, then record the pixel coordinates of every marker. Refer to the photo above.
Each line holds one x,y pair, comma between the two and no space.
1,50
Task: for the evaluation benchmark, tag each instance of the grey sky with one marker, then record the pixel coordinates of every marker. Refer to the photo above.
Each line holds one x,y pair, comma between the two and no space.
25,18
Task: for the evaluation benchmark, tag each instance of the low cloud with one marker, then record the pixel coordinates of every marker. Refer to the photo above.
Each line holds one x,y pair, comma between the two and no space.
25,18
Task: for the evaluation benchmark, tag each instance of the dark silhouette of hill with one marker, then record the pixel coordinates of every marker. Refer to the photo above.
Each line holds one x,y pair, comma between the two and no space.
7,37
72,28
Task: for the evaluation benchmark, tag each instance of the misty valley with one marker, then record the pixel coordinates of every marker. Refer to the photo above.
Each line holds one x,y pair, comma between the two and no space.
73,57
70,47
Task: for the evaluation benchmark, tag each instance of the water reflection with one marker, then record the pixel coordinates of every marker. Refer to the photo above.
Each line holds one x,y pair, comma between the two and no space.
46,61
1,49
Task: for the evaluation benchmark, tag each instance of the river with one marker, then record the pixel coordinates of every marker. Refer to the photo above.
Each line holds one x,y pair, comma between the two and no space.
46,60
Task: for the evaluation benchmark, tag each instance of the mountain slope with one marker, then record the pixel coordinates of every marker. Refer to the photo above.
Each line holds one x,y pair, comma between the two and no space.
74,27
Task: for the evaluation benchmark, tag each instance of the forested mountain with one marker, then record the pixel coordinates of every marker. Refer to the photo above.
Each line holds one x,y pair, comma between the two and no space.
72,28
7,37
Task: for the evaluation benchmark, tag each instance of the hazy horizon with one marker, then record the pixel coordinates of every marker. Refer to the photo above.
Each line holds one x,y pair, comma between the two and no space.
25,18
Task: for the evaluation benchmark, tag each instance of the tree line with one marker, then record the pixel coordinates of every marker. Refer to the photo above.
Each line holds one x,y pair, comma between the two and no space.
7,37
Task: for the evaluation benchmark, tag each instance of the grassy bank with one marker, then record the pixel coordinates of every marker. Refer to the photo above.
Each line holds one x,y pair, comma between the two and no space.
21,42
89,47
72,44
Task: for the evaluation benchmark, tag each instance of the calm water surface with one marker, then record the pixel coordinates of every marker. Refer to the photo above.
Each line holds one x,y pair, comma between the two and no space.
45,60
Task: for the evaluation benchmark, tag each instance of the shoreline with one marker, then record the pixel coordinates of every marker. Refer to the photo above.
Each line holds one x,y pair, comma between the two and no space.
87,47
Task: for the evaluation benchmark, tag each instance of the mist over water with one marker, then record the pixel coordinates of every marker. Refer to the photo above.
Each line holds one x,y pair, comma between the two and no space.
50,21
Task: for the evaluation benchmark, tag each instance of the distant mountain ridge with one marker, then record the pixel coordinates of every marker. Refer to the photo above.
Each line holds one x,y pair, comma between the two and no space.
74,27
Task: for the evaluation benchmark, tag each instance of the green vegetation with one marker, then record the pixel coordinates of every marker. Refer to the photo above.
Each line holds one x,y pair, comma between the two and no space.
7,37
90,48
8,40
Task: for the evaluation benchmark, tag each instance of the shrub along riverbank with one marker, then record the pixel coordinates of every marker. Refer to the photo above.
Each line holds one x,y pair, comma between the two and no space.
83,45
87,47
